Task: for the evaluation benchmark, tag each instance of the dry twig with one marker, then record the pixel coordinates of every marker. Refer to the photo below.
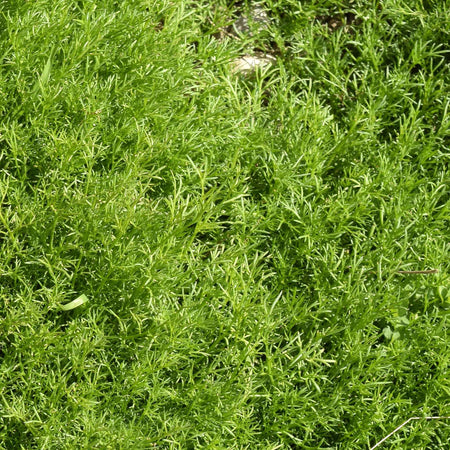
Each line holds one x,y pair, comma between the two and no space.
406,422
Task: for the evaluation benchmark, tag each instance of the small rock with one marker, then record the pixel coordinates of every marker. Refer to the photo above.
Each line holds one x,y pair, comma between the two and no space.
248,64
257,16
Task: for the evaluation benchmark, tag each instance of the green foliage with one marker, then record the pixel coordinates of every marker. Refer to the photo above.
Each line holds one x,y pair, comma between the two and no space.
239,239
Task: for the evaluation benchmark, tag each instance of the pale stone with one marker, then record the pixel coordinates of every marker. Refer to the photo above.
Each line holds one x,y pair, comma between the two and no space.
257,15
248,64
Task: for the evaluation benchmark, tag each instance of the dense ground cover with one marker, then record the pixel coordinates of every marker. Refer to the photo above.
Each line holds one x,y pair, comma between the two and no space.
241,239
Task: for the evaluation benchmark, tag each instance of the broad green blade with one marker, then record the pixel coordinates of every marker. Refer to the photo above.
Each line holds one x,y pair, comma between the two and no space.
42,81
46,72
75,303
